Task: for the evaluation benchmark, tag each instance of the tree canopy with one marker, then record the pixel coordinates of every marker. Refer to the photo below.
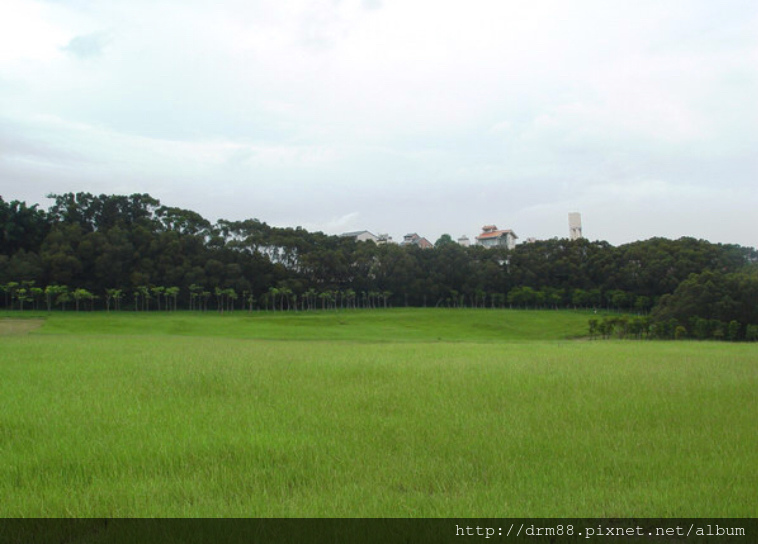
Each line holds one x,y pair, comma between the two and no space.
130,251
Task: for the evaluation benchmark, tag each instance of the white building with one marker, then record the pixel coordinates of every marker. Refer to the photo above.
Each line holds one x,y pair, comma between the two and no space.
575,226
361,236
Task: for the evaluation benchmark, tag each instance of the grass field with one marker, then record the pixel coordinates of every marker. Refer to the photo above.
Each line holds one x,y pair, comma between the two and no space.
393,325
398,413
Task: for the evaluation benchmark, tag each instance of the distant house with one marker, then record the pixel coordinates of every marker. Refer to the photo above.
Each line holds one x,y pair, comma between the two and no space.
361,236
384,239
492,237
416,240
464,241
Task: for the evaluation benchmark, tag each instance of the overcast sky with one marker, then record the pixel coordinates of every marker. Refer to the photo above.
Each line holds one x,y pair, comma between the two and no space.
394,116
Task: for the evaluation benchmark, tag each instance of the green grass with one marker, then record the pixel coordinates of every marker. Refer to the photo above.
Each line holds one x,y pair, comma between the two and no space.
160,415
393,325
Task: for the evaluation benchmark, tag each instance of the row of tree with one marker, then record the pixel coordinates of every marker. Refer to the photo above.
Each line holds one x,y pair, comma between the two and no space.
132,252
25,295
646,327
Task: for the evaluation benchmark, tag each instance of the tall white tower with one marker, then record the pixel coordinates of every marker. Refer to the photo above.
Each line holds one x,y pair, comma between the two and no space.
575,226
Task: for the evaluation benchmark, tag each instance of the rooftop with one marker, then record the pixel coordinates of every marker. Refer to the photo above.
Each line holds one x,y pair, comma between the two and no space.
496,234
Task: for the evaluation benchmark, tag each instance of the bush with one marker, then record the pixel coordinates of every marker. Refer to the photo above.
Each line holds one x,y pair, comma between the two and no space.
734,331
593,324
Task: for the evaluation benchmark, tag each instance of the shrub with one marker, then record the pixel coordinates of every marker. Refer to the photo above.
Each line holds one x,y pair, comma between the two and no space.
593,324
733,331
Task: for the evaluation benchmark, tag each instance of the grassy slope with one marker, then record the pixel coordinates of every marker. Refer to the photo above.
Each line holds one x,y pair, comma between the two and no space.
157,425
406,324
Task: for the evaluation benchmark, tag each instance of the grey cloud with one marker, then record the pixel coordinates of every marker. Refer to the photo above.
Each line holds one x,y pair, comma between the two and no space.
372,4
19,142
87,46
240,157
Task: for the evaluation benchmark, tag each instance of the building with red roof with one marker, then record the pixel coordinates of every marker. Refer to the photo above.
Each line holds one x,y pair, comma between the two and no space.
492,237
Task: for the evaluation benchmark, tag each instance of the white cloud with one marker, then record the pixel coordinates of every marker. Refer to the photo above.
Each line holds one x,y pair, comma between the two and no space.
28,33
415,115
343,223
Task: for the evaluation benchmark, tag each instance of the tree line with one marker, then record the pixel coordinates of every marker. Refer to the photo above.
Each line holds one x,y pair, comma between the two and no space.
130,252
695,327
718,305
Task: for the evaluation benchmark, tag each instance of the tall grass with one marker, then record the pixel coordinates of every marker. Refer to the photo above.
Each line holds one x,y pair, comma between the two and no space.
160,425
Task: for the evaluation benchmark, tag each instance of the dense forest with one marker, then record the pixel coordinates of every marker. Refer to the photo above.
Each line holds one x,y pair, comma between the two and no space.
117,252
